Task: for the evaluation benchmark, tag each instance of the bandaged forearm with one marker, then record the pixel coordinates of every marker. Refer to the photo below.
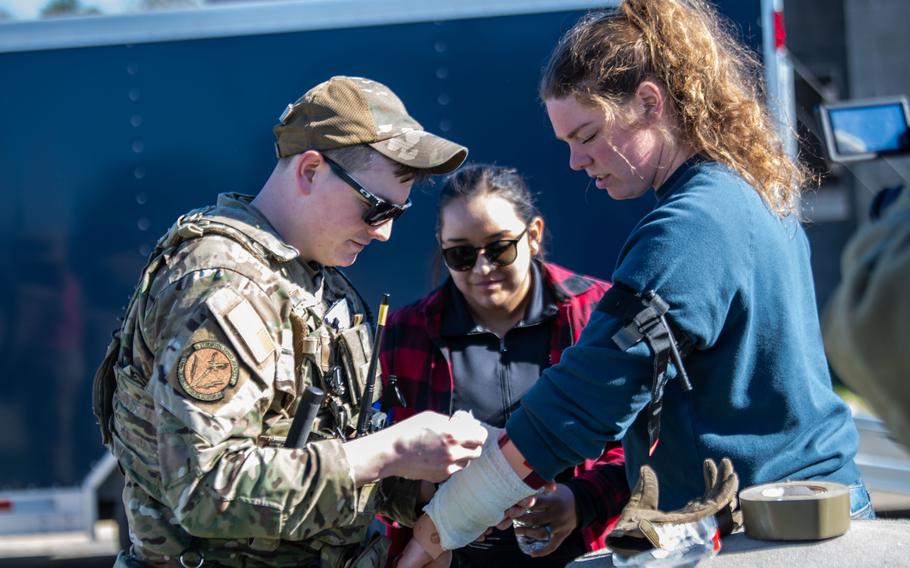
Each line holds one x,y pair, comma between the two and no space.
476,497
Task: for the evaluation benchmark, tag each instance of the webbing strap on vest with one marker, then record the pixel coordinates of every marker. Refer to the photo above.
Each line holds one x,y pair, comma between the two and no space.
645,319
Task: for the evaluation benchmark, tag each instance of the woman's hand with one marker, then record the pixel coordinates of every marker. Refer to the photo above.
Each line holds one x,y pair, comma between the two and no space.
552,512
518,509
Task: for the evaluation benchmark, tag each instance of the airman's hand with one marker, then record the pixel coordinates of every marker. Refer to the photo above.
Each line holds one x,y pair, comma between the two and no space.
432,446
428,446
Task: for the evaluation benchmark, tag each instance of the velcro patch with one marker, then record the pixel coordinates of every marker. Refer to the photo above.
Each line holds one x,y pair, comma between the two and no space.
251,329
206,369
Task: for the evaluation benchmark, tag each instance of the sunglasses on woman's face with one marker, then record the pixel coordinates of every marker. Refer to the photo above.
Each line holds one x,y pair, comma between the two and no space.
498,253
380,210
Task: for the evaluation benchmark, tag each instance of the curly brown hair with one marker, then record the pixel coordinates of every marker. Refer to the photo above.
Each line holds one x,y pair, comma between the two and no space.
714,85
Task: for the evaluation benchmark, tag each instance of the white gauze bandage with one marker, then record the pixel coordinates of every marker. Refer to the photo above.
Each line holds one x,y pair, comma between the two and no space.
476,497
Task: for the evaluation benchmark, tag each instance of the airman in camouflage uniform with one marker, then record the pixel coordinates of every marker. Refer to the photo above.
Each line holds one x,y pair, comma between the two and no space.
238,310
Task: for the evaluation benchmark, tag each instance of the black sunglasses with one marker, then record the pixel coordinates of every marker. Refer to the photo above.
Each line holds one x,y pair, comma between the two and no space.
380,210
498,253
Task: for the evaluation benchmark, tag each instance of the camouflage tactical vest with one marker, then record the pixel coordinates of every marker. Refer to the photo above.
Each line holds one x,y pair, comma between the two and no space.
322,338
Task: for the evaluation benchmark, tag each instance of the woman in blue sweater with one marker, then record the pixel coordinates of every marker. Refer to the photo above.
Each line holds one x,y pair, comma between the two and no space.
655,96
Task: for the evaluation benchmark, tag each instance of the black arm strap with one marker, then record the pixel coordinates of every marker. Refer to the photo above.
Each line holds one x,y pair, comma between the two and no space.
645,318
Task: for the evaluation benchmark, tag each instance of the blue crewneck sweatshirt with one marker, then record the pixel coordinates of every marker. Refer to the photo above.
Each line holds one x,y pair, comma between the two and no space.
738,281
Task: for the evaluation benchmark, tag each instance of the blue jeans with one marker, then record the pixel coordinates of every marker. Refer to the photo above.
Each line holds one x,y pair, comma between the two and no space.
860,505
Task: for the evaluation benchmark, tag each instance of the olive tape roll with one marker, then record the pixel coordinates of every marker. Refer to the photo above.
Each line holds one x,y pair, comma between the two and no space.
796,510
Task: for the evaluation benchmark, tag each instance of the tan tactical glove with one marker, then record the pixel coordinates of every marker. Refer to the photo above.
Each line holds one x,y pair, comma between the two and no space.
635,532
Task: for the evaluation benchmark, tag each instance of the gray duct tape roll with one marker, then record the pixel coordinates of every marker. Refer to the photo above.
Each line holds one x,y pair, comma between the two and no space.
796,510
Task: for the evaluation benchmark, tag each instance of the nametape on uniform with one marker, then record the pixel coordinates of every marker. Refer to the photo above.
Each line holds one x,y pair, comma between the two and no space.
252,330
796,510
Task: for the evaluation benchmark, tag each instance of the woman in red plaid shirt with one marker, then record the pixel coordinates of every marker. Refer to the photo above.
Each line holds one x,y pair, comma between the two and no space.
483,338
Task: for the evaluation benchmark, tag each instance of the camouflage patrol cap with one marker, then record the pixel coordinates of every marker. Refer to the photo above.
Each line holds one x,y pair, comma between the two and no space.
345,111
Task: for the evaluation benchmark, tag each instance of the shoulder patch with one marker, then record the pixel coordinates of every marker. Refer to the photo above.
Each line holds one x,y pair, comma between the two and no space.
206,369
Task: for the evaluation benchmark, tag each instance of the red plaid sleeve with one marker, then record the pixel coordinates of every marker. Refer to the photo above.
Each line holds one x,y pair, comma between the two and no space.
601,490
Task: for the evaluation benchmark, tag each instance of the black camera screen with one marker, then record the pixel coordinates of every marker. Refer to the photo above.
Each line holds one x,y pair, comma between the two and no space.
865,130
869,129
